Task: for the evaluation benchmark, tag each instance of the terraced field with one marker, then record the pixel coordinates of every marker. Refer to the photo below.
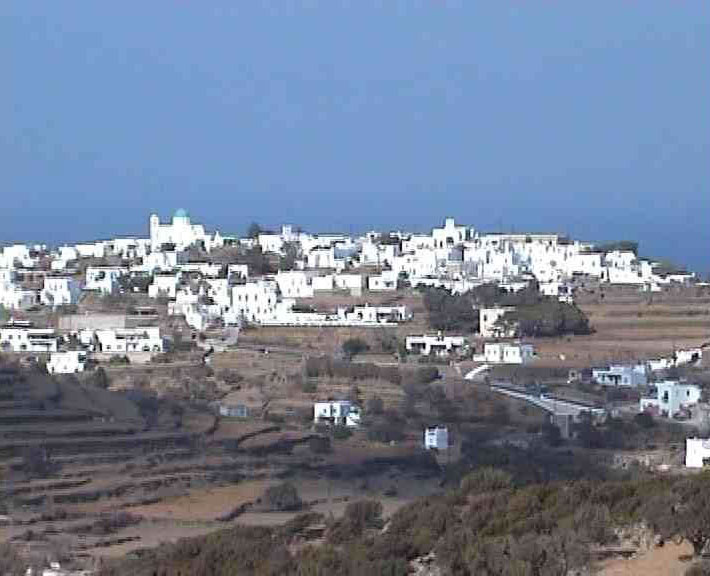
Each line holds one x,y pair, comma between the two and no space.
89,473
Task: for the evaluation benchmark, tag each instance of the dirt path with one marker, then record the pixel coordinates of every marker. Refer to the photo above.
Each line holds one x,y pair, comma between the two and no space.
668,560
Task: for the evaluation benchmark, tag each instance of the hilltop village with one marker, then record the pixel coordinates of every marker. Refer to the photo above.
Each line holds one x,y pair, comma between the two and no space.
168,386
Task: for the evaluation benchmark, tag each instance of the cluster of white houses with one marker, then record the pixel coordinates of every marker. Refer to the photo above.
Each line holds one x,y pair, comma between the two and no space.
174,264
453,256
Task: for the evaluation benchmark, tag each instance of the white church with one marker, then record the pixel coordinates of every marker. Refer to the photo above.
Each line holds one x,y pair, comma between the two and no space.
180,232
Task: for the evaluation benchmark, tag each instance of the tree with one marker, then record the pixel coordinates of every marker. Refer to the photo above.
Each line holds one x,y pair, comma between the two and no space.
693,512
450,311
282,498
354,346
375,406
254,230
36,462
100,378
552,434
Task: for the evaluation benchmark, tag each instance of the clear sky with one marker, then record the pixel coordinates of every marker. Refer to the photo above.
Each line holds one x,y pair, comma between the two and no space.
584,117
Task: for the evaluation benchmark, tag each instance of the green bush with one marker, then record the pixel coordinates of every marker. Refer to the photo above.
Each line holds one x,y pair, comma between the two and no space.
282,498
354,346
341,432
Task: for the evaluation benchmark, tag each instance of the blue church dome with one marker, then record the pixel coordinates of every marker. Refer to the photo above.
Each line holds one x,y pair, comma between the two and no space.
181,213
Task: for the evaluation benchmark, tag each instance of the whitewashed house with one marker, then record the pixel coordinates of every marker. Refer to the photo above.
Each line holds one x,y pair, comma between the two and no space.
203,269
336,413
104,279
449,235
697,452
436,344
490,322
164,285
126,340
17,255
60,291
374,314
71,362
270,242
585,264
256,300
220,291
325,283
321,257
351,282
157,261
621,375
507,353
23,337
93,250
294,284
436,438
384,282
236,272
671,398
12,296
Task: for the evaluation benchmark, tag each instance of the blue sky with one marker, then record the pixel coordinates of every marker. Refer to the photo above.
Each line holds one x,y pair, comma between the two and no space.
587,118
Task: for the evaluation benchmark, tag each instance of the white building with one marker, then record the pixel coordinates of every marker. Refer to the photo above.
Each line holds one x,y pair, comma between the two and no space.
104,279
697,452
671,398
506,353
12,296
384,282
164,285
237,272
95,250
71,362
337,413
255,301
60,291
126,340
585,264
295,284
414,264
490,323
374,314
438,344
436,438
322,257
180,232
158,261
450,235
22,337
621,375
351,282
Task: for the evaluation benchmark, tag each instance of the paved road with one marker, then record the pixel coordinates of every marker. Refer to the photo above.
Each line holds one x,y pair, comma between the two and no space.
551,405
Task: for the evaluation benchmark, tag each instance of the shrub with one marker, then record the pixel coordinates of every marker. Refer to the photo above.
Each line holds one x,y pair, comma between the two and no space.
309,386
341,432
426,374
354,346
375,406
319,445
388,428
100,379
486,480
644,420
36,462
282,498
449,312
358,517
